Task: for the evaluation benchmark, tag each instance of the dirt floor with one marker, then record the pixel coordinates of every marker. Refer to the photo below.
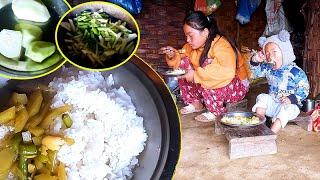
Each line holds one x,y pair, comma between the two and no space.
204,154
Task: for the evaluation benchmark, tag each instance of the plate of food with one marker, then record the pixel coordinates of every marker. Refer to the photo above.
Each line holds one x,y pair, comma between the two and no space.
242,119
97,35
175,72
44,124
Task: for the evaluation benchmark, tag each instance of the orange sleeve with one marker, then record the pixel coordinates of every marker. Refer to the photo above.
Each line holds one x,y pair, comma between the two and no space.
221,71
243,70
175,61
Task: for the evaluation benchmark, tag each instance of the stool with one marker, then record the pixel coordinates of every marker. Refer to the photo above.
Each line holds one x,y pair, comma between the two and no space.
246,142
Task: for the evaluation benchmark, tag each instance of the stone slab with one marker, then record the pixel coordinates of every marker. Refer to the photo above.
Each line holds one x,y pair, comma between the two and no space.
251,148
257,133
246,142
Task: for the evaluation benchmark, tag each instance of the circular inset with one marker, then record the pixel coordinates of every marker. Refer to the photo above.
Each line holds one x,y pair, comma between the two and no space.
97,36
27,47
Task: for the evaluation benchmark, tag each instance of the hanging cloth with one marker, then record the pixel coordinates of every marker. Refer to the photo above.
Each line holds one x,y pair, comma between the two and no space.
245,9
207,6
276,19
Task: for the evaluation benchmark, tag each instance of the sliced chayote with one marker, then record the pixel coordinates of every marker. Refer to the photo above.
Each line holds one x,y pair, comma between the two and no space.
40,50
29,32
31,10
10,43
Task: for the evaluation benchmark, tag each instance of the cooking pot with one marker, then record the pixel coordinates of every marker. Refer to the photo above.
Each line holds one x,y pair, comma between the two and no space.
56,9
153,102
308,105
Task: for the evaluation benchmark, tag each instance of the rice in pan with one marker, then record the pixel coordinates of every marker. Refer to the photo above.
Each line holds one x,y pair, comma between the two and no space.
108,133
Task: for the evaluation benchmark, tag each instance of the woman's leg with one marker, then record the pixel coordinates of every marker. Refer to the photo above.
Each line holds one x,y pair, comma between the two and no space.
213,100
189,91
235,91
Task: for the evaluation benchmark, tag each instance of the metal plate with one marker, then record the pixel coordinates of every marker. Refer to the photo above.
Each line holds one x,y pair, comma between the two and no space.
153,102
172,72
241,114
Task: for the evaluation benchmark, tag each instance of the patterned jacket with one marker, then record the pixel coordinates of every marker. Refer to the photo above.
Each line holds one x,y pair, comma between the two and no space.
288,81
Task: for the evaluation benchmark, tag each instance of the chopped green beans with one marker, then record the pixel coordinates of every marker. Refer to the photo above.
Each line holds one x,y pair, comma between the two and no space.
67,120
23,166
27,150
98,37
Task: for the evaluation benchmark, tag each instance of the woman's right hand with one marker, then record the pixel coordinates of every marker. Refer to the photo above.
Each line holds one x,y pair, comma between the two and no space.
169,51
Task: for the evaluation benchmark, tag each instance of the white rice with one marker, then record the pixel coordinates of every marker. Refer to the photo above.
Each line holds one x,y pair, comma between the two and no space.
5,130
108,133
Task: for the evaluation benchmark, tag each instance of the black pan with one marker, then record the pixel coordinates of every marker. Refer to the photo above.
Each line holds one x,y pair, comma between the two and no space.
153,102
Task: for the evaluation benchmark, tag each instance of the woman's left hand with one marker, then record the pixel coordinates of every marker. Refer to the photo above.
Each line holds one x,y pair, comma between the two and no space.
285,100
189,75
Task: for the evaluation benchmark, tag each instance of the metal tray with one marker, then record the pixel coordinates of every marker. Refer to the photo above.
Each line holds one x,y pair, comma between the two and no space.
171,73
242,114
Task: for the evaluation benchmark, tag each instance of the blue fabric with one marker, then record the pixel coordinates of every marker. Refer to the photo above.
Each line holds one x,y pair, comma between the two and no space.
246,9
133,6
288,81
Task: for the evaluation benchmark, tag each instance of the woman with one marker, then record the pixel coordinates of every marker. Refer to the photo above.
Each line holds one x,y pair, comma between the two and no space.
214,68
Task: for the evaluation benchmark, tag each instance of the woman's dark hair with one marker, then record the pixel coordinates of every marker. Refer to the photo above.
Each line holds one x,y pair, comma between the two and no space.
197,20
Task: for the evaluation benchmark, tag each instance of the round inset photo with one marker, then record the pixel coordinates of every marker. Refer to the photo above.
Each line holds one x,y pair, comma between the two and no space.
97,36
27,48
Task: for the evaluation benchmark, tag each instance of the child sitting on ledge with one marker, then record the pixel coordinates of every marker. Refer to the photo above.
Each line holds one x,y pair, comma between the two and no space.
288,84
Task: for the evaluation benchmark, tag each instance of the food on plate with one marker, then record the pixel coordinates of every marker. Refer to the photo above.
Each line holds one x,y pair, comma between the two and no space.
20,120
98,37
67,120
11,43
34,103
29,32
31,10
8,114
240,120
40,50
87,124
24,48
17,99
175,72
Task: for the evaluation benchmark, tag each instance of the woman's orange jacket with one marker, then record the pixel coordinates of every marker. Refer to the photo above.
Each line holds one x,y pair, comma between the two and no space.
222,68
